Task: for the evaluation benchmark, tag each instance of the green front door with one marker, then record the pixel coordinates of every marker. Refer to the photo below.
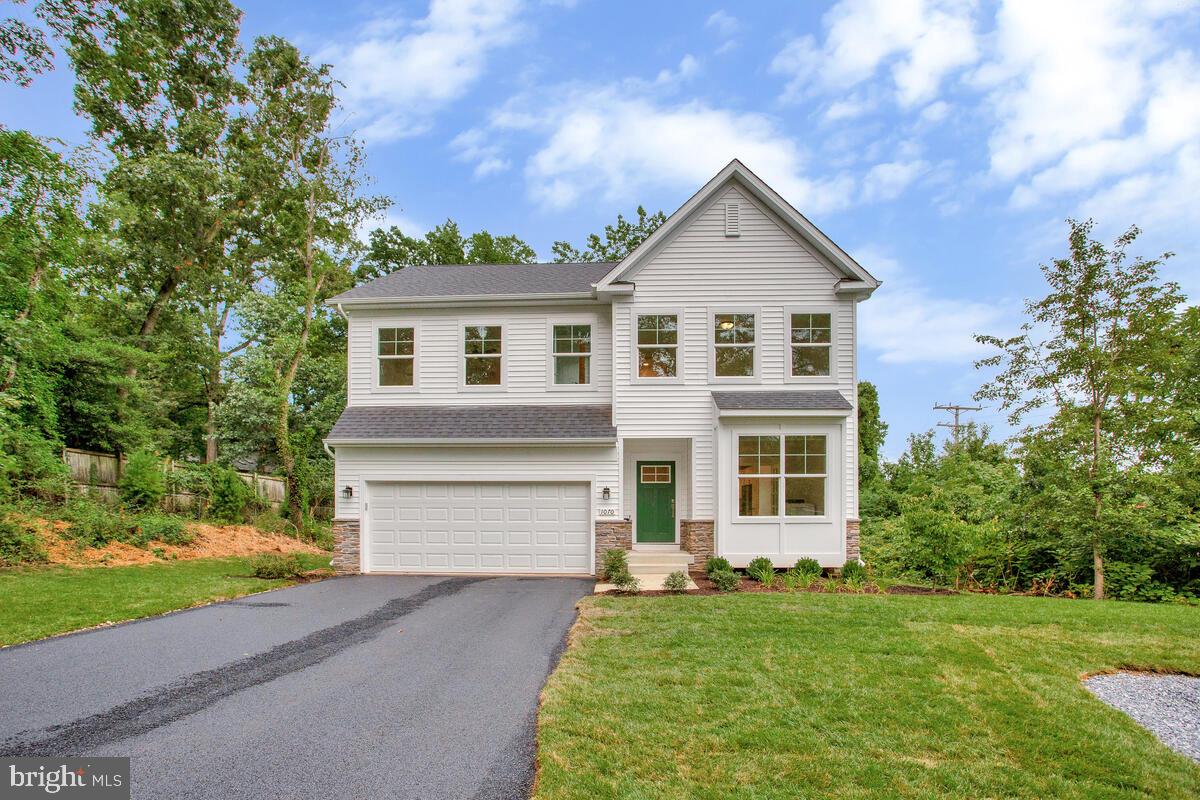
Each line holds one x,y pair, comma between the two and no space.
655,501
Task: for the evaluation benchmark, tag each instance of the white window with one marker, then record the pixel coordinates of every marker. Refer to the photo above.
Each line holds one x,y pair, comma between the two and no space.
571,347
734,345
658,345
796,475
483,356
396,355
660,473
811,344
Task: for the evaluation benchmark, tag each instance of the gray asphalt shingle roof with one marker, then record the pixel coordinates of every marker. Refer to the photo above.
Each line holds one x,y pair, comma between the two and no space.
790,400
559,421
464,280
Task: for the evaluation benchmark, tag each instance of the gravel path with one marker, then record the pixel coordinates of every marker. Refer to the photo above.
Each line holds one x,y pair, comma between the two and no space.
1168,705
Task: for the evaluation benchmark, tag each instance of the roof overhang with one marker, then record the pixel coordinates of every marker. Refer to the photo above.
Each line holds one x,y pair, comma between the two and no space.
728,413
462,299
475,442
859,280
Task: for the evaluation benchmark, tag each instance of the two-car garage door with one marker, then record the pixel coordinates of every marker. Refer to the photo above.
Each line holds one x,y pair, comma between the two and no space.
478,527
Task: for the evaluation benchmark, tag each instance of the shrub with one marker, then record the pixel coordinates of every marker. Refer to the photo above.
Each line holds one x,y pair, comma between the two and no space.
808,566
624,582
854,571
677,581
614,563
855,584
726,580
19,545
273,566
790,580
762,571
230,496
143,483
166,529
96,524
716,563
269,521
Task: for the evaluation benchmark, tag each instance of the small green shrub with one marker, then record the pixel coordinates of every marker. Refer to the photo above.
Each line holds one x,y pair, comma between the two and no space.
166,529
269,521
716,563
625,583
854,571
854,584
677,581
790,580
230,496
273,566
808,566
762,572
19,545
96,524
726,580
143,483
614,563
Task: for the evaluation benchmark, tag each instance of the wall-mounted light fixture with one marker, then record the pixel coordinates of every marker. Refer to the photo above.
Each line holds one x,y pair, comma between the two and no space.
606,493
348,492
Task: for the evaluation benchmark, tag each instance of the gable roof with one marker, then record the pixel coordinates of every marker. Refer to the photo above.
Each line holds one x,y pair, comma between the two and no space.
490,281
856,279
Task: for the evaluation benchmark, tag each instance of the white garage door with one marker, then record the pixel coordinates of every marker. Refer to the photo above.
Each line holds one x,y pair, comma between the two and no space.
478,527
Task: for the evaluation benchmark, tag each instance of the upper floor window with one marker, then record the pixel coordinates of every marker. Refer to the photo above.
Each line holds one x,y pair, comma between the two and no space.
811,343
733,345
572,354
658,345
396,356
483,355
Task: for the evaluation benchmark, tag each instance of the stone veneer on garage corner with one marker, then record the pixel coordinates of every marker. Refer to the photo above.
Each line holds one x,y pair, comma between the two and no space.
345,547
610,535
852,540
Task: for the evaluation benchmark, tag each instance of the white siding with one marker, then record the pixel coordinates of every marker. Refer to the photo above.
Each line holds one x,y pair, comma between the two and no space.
356,465
698,270
439,355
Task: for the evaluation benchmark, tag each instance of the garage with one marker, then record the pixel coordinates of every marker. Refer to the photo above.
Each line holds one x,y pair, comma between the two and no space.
487,527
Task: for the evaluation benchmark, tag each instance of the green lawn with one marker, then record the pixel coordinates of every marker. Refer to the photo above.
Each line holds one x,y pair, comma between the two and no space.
810,695
37,602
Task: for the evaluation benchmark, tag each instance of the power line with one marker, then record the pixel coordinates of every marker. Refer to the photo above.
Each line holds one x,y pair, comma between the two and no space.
957,411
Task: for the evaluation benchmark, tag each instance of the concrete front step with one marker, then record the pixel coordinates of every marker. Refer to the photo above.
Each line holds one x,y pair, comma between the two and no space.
647,582
652,562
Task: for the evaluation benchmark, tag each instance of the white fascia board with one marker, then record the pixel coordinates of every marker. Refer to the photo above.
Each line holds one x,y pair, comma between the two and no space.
468,442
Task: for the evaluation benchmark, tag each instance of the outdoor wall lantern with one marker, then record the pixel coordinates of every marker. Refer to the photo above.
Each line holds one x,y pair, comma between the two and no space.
348,492
606,493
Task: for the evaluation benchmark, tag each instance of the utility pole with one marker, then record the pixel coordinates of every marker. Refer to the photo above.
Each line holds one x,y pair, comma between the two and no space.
956,410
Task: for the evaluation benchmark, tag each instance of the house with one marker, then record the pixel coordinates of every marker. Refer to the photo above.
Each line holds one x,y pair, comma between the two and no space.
697,398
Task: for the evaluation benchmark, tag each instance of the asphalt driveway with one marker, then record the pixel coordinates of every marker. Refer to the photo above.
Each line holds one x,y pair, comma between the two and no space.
363,687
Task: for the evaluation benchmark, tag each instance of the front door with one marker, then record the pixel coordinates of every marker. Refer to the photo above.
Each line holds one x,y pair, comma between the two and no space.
655,501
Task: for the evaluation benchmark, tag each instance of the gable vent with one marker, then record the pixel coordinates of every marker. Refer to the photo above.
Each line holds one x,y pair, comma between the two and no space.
732,216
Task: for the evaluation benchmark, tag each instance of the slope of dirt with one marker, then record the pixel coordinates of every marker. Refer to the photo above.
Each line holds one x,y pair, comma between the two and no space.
212,541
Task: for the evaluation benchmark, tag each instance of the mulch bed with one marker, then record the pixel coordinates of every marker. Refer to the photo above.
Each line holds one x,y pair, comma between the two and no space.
750,586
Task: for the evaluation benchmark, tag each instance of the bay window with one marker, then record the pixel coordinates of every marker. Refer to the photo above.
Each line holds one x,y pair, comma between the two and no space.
791,469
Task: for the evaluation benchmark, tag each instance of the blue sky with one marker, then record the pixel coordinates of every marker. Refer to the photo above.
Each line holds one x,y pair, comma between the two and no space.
941,143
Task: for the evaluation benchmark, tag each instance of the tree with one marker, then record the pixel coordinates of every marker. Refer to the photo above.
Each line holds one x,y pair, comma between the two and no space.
872,431
1091,349
390,249
619,240
24,51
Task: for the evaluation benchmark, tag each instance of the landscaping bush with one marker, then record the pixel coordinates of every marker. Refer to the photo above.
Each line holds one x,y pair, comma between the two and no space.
96,524
726,580
143,483
677,581
808,566
762,571
615,562
791,580
854,571
19,545
273,566
166,529
230,497
624,582
716,563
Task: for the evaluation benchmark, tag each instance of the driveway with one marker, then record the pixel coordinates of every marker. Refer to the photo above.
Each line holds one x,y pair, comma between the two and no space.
362,687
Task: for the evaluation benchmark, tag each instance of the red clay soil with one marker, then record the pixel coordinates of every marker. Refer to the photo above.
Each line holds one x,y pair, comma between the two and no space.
211,541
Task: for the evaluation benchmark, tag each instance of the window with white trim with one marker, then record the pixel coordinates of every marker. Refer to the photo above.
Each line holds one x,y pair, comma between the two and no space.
656,473
796,476
733,345
658,345
396,356
572,353
482,353
811,343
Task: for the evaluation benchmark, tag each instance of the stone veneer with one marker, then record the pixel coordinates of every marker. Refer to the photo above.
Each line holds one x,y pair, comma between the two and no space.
852,553
696,537
345,547
610,535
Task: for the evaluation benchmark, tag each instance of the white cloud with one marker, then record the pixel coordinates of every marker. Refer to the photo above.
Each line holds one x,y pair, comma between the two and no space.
725,27
399,72
614,140
906,323
922,40
887,181
935,112
688,67
393,216
475,145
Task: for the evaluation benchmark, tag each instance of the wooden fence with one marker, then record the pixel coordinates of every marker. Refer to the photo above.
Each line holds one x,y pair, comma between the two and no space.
97,474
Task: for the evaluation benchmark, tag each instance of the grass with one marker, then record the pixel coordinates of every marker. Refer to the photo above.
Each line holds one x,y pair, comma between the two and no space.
44,601
857,696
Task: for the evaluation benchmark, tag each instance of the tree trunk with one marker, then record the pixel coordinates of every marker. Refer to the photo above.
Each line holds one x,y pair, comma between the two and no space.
287,460
210,432
1097,571
1097,556
150,322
